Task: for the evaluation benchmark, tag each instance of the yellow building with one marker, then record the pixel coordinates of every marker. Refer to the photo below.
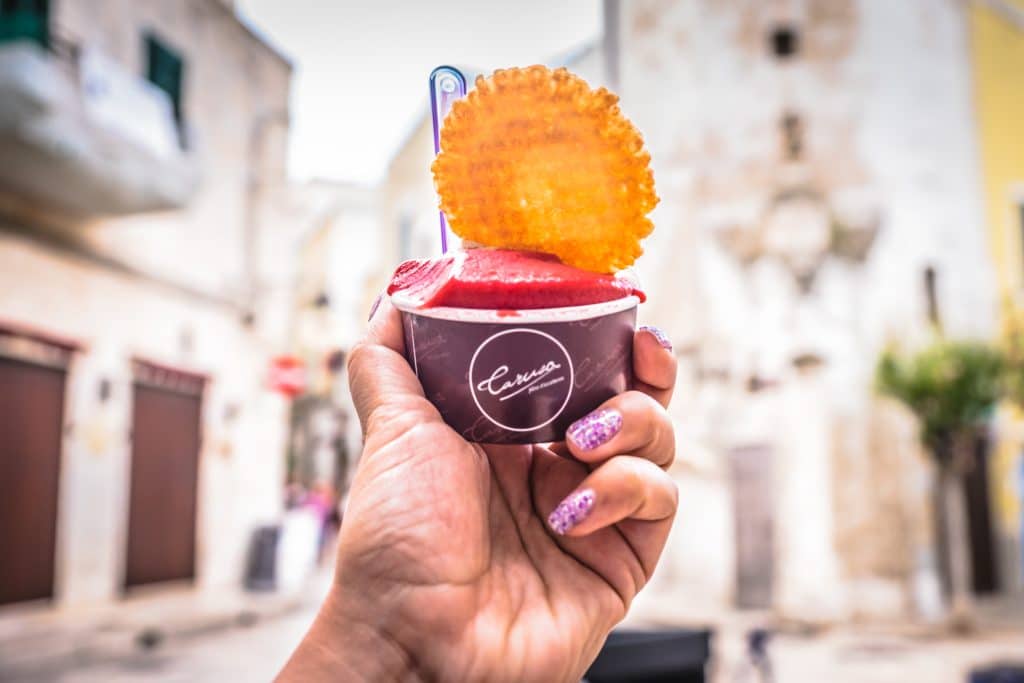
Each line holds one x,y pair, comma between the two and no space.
997,38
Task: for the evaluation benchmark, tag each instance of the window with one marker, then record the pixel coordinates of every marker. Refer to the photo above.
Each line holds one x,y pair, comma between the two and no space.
785,42
25,20
165,69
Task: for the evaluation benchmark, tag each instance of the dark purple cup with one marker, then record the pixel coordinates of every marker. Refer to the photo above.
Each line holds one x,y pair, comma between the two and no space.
517,377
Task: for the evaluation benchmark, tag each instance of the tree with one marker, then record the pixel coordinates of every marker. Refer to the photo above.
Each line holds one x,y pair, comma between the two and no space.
952,388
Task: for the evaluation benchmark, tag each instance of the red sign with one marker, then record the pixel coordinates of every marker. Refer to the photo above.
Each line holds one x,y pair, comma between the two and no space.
287,375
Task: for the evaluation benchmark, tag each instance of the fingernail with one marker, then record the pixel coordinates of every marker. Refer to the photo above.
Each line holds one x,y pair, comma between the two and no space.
594,429
659,335
570,512
373,308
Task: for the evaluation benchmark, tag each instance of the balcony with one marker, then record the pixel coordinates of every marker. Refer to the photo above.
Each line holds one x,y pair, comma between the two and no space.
81,134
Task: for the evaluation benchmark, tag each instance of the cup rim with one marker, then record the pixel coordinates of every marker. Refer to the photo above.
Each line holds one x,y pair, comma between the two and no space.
518,316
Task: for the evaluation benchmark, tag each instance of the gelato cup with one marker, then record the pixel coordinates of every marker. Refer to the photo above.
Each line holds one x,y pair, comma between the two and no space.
523,376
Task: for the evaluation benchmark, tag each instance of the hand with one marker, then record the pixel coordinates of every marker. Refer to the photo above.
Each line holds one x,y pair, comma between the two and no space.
450,566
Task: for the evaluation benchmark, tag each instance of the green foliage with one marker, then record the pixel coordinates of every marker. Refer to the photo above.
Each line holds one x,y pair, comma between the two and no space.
950,386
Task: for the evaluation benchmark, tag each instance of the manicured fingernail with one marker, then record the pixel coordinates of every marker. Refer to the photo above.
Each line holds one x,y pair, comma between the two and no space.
594,429
373,308
570,512
659,334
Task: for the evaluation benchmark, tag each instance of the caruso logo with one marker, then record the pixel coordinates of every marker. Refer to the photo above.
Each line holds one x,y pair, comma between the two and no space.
521,379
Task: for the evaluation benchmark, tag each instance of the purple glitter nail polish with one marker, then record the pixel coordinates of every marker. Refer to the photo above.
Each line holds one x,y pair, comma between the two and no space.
570,512
659,334
594,429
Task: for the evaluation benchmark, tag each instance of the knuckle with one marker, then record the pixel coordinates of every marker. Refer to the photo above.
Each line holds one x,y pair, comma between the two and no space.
639,402
673,492
357,357
629,474
665,442
399,415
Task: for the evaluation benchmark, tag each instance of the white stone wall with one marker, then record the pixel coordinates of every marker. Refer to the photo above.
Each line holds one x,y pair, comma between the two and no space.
116,318
235,88
884,95
232,80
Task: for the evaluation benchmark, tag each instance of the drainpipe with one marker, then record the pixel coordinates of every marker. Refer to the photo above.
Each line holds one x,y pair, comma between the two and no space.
261,125
612,17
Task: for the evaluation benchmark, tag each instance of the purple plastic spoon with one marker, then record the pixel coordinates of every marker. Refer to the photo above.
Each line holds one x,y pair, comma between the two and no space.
447,84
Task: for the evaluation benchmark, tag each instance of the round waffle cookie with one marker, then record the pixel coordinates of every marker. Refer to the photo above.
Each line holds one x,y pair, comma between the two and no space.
534,159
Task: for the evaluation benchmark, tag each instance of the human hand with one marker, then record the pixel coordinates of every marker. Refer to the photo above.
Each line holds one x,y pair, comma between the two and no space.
462,562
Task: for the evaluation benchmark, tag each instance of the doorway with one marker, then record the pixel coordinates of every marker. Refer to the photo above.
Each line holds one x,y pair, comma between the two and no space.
166,414
31,425
752,484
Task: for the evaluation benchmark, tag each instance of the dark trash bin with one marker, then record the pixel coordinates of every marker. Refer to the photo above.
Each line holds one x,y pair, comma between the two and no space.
998,673
261,567
664,656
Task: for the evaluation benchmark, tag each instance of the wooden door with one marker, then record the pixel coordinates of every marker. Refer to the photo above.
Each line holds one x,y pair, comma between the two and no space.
31,416
164,480
752,485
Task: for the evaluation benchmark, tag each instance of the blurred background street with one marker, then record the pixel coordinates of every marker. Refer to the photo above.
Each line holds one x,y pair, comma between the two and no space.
250,646
201,199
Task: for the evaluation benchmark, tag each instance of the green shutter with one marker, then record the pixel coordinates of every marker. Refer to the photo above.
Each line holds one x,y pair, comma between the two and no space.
165,70
25,19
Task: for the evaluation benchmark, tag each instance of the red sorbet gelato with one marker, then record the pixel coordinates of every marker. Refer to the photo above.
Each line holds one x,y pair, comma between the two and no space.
504,279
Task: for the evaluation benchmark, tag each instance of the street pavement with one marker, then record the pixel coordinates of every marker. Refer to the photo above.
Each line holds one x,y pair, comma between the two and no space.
242,653
256,652
858,656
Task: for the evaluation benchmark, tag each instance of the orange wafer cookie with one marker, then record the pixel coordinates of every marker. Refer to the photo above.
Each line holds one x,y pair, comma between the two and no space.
534,159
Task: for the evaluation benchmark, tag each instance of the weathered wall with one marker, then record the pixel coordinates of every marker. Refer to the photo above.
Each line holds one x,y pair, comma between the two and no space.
231,81
117,318
997,41
235,88
883,99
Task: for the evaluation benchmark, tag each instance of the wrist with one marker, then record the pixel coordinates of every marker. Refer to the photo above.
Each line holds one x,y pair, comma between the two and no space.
345,644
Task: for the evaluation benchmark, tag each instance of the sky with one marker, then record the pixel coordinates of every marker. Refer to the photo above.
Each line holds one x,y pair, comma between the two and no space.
361,66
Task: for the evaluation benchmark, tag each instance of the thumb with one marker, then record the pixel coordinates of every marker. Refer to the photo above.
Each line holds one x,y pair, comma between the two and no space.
384,387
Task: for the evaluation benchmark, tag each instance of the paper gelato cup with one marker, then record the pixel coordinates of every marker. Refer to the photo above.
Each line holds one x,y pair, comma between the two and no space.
516,377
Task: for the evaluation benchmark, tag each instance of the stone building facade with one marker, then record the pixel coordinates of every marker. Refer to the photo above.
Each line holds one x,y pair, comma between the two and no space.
821,197
144,288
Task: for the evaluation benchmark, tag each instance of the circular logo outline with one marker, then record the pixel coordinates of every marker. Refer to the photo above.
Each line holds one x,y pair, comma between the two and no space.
568,395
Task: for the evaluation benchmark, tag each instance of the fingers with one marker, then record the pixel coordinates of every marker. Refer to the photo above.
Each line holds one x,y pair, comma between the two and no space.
381,380
633,423
654,364
623,488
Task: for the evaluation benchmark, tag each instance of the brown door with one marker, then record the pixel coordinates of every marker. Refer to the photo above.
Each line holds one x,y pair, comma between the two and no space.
164,478
751,469
31,414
